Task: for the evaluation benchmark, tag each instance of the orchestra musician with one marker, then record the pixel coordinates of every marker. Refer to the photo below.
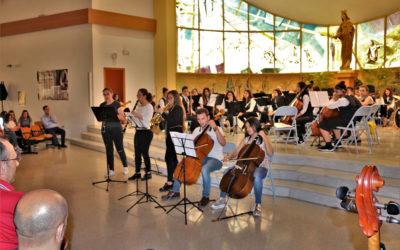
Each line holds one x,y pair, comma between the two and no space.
229,99
390,103
250,107
143,135
195,99
253,132
174,116
205,98
211,163
187,104
365,98
161,104
277,101
112,132
347,105
306,113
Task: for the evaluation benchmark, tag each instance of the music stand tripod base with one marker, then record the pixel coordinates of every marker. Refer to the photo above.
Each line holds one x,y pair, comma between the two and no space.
108,180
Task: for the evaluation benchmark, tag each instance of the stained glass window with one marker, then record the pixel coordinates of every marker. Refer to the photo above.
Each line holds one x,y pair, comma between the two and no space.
260,20
188,50
262,52
314,48
286,24
236,52
287,51
235,14
187,13
210,14
370,42
211,54
393,40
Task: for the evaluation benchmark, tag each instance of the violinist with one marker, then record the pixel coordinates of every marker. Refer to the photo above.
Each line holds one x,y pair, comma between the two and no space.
161,104
187,104
389,106
226,105
250,107
174,116
211,163
143,134
253,132
195,99
205,98
305,115
277,101
347,105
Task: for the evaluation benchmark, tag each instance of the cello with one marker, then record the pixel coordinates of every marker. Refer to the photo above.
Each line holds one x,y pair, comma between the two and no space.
326,113
296,103
203,144
238,182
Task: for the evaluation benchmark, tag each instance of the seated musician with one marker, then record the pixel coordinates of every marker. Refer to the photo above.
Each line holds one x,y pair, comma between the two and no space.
250,108
388,108
195,99
306,113
211,163
365,98
229,99
188,108
253,132
277,101
161,104
347,105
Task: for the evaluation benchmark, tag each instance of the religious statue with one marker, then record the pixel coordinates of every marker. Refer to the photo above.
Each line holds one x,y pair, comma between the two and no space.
345,34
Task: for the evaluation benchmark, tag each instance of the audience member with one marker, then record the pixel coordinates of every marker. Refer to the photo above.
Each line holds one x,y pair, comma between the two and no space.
10,131
25,119
49,122
9,162
40,220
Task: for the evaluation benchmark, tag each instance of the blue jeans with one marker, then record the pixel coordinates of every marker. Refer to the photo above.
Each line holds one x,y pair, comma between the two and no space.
209,165
259,175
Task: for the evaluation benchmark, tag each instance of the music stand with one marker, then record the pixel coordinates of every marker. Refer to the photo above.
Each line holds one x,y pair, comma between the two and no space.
184,146
106,114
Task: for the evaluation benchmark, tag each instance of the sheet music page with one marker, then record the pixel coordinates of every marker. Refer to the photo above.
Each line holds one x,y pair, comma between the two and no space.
134,120
187,139
213,98
319,98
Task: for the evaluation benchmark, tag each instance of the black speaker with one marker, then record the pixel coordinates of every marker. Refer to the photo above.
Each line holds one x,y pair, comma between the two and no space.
3,91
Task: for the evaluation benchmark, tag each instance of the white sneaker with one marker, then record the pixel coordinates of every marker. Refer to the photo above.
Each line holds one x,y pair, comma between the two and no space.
219,204
126,171
111,173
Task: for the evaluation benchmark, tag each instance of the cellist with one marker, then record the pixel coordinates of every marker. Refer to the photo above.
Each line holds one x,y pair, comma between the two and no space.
305,115
253,131
211,163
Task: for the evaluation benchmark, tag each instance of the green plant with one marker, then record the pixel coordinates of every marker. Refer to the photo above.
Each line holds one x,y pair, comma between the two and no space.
321,79
381,78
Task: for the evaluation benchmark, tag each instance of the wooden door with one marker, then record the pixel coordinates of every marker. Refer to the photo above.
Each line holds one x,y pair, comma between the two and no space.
114,78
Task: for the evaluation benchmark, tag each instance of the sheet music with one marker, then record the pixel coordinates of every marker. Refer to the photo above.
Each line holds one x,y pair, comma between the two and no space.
187,140
213,99
319,98
137,123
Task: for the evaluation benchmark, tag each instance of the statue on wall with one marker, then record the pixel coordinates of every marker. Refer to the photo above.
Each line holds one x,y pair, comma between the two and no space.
345,34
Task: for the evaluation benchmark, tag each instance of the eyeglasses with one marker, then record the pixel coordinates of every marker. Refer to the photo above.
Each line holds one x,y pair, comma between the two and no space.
18,158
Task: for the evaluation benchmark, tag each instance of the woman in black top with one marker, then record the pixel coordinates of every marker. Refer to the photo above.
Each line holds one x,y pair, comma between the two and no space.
305,115
250,106
227,105
111,131
174,117
388,108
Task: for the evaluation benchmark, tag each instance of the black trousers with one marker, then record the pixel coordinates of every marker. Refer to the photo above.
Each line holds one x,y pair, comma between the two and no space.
170,156
247,115
301,125
142,143
264,117
110,135
229,118
54,132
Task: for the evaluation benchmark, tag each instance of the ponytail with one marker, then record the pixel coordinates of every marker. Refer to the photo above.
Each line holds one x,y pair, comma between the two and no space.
149,96
341,86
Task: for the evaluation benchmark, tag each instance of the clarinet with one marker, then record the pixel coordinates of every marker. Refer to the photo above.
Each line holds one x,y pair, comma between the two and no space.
126,124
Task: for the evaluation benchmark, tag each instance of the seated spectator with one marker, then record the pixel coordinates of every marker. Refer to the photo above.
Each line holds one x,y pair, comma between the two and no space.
49,122
9,162
40,220
25,119
10,130
11,112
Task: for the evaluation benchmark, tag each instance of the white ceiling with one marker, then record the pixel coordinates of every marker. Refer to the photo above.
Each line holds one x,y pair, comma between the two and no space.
327,12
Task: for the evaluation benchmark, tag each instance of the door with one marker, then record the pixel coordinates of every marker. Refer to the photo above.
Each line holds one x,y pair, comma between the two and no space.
114,78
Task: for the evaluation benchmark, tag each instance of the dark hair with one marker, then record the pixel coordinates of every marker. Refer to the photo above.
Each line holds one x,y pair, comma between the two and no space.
202,111
22,114
279,91
146,93
316,88
11,111
233,94
253,122
45,106
178,102
341,86
365,87
164,90
390,94
350,88
7,118
114,95
302,86
107,89
204,95
3,113
184,87
250,95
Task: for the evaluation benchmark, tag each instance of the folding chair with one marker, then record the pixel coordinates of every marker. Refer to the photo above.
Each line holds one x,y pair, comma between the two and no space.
29,139
278,126
357,125
227,149
372,118
268,177
308,125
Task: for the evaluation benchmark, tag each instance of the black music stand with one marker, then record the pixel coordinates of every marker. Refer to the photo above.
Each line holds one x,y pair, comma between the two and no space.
104,114
185,147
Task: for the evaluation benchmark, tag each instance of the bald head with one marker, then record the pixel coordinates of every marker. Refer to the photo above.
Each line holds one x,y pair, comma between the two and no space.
40,218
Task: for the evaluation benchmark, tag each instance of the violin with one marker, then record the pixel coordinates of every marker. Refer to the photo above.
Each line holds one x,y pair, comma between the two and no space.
238,182
203,144
220,112
296,103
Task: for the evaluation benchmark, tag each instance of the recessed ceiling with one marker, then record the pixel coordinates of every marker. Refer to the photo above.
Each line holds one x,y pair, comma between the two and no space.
328,12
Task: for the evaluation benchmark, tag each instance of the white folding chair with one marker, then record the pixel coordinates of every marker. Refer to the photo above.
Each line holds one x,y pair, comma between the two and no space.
227,149
372,118
357,125
268,177
278,126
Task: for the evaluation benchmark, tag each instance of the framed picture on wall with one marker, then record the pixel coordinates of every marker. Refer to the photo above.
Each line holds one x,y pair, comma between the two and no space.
21,98
53,84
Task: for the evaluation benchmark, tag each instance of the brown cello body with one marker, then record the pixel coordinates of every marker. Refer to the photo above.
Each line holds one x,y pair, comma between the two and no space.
238,182
204,144
325,114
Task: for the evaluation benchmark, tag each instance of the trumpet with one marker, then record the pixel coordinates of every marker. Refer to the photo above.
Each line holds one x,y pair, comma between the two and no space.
157,118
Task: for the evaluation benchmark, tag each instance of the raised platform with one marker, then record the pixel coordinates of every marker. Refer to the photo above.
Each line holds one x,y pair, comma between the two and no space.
307,174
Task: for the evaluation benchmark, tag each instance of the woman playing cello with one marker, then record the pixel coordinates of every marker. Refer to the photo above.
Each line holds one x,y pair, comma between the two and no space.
253,132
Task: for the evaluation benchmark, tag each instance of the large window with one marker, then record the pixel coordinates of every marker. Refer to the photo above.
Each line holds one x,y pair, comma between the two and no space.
231,36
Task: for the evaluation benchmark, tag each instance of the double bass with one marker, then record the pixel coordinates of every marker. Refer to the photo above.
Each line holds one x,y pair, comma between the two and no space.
238,182
203,144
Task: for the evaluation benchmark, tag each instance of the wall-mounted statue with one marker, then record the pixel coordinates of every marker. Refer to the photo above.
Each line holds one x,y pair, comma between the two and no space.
345,34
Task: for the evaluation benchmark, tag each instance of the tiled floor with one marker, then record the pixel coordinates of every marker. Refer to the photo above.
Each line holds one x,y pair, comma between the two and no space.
98,220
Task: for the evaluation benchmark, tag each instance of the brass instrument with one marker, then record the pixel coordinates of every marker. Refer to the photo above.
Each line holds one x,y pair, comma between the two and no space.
157,118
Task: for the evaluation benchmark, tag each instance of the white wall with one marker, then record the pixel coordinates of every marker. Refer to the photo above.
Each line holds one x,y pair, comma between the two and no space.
139,65
70,48
142,8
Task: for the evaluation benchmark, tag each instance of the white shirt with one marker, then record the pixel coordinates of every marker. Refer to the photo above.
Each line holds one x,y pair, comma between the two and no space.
306,102
368,97
216,152
147,113
201,101
392,105
252,104
10,125
161,103
342,102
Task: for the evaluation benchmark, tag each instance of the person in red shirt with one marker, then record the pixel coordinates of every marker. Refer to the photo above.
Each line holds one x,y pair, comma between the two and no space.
9,162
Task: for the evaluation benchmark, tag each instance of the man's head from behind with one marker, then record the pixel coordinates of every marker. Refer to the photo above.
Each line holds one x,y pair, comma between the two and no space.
9,161
40,220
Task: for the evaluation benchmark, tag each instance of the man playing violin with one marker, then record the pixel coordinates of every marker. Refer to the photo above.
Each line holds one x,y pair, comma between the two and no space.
253,132
347,105
211,163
